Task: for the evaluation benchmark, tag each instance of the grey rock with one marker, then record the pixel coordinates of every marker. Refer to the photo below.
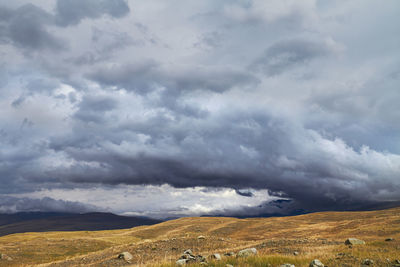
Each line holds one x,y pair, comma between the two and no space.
354,241
181,262
215,256
188,251
229,254
316,263
368,262
247,252
125,256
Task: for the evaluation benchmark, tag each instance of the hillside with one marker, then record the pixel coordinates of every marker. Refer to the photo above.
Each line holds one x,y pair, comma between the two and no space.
53,221
318,235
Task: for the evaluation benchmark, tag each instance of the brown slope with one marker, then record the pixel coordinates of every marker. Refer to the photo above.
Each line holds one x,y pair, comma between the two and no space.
313,235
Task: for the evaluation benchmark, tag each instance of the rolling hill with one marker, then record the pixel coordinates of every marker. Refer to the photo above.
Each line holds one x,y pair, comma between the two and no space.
318,235
54,221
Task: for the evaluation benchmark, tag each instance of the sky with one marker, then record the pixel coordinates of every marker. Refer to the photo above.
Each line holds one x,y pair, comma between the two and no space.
187,108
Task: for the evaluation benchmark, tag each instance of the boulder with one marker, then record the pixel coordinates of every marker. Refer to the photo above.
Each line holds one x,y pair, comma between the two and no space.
229,254
354,241
125,256
316,263
215,256
181,262
368,262
247,252
188,251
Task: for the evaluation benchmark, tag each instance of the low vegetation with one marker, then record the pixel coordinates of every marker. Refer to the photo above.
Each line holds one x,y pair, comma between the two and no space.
296,240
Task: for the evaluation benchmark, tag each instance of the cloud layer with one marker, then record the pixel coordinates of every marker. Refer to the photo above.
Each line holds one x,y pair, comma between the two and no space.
265,101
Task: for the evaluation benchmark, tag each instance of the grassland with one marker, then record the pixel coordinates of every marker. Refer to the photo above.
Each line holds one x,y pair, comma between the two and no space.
317,235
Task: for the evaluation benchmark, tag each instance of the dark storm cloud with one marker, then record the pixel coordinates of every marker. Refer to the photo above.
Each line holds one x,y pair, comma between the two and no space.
26,27
9,204
180,98
71,12
243,151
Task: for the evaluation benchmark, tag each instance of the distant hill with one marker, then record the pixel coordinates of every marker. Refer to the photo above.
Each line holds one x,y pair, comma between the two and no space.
54,221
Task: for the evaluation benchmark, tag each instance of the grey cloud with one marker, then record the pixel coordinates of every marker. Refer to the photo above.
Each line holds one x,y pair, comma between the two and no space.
93,108
242,152
287,54
9,204
26,27
71,12
138,103
148,75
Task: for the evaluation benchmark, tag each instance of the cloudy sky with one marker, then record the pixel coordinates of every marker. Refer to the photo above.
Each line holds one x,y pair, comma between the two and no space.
179,108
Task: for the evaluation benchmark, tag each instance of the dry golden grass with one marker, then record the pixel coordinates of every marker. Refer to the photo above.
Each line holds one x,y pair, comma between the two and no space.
318,235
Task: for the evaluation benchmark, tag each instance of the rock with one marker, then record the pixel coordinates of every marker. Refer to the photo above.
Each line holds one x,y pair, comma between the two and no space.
247,252
187,257
354,241
229,254
188,251
201,237
316,263
215,256
181,262
368,262
200,258
296,253
228,265
125,256
287,265
204,263
389,239
397,261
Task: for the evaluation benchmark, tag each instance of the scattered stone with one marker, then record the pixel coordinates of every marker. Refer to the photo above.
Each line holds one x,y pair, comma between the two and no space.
188,251
247,252
215,256
389,239
181,262
296,253
201,237
287,265
229,254
354,241
368,262
316,263
125,256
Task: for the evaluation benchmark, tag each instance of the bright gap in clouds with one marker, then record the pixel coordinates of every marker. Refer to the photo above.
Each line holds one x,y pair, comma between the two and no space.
157,201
